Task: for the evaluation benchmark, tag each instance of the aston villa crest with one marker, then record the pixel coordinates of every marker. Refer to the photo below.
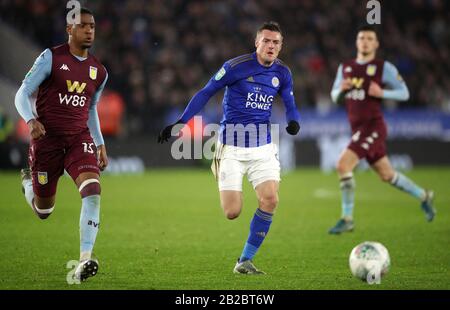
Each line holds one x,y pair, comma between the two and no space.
42,178
371,70
93,73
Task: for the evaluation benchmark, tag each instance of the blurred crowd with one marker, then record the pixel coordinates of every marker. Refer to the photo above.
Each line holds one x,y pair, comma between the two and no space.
160,52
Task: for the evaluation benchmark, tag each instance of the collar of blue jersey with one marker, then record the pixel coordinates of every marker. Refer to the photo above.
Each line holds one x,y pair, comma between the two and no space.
262,66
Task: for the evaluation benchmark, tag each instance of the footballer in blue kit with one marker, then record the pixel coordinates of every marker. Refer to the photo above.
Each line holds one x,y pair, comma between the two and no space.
244,147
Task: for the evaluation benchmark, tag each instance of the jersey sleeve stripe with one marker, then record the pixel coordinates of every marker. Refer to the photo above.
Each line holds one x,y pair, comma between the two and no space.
239,59
281,63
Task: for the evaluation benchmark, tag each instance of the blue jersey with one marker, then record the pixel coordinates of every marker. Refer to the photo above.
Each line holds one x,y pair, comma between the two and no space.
250,89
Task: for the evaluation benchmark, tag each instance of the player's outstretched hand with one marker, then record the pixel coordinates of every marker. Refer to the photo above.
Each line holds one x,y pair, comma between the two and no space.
102,157
36,128
293,127
166,133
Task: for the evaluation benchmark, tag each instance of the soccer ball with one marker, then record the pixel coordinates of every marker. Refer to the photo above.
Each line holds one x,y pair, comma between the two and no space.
369,261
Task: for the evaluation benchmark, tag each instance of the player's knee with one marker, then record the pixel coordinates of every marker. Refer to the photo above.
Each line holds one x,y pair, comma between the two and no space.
89,187
269,202
232,213
386,177
231,205
232,209
341,167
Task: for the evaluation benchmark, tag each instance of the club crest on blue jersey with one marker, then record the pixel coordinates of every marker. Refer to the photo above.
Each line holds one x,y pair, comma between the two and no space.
93,72
275,81
42,178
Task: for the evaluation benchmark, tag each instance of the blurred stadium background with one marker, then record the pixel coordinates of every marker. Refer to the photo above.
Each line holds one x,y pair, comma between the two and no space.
159,53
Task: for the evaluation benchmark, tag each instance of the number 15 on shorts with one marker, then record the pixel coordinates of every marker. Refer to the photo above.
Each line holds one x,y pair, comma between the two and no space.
87,147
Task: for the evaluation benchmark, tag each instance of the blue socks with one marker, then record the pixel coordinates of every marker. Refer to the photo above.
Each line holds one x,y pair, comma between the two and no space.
259,227
347,185
403,183
89,225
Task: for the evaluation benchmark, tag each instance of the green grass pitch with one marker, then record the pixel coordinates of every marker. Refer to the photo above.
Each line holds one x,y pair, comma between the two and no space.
165,230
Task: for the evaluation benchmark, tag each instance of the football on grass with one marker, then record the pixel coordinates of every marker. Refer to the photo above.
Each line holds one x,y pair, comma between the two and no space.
369,261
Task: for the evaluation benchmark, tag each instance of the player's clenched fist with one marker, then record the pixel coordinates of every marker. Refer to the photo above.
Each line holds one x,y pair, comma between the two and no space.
375,90
293,128
36,128
166,133
346,84
102,157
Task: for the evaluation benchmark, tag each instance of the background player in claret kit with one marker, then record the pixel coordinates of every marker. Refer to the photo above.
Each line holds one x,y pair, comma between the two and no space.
359,83
252,81
65,133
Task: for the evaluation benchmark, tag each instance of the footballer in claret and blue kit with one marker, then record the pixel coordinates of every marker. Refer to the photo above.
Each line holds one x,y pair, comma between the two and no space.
65,131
